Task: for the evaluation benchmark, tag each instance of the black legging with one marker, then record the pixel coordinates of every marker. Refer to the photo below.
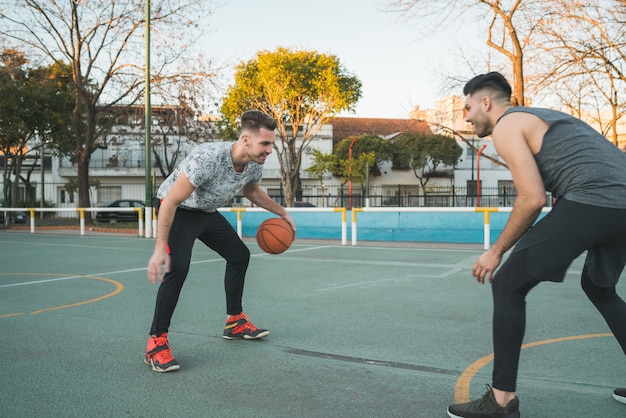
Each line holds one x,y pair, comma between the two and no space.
544,254
216,233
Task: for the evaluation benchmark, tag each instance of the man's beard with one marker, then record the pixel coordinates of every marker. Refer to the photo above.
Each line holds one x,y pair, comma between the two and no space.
482,129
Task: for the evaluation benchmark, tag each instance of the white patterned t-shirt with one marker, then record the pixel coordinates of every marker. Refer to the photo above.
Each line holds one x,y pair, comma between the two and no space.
209,168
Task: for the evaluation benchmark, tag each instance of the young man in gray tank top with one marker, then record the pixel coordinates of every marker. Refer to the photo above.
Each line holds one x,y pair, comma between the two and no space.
211,175
546,150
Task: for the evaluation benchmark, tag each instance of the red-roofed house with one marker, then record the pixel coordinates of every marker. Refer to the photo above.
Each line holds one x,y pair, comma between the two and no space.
347,127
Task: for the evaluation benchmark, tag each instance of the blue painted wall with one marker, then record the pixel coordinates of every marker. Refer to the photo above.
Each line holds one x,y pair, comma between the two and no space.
444,227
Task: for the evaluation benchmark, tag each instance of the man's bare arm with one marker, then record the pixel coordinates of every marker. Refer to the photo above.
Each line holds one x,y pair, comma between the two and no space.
179,192
512,144
256,195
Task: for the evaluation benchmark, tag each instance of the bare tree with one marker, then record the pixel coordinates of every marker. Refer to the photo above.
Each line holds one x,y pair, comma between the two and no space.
103,42
585,47
509,26
177,127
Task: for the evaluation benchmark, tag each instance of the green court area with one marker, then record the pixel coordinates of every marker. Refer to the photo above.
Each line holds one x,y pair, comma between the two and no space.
374,330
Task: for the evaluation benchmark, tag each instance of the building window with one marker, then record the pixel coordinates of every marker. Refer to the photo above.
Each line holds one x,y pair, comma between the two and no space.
471,188
506,193
65,196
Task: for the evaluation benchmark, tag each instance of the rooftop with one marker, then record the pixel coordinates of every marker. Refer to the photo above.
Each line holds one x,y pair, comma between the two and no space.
347,127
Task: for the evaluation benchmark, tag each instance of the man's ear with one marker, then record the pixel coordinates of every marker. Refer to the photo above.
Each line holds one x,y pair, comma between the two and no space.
486,103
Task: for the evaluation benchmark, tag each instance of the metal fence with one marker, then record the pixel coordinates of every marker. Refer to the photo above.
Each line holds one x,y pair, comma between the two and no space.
60,195
407,196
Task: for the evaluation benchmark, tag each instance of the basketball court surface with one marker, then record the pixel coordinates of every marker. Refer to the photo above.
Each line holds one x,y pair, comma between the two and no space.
374,330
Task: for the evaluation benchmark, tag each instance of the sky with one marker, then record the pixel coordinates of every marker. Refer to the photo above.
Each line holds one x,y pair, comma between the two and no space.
398,66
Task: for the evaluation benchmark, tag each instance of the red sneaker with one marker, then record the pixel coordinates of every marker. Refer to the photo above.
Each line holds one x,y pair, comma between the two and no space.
159,355
239,326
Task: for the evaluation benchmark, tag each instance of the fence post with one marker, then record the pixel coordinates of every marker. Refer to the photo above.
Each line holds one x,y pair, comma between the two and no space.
486,227
344,227
239,220
354,236
140,219
31,212
81,215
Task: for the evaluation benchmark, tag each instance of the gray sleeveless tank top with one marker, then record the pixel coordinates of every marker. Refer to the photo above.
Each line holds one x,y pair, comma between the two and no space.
578,163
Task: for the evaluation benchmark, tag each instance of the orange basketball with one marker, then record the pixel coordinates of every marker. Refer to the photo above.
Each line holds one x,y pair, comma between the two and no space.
274,235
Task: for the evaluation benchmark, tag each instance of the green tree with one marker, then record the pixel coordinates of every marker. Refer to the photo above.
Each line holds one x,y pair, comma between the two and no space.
35,106
425,154
322,164
382,148
13,128
355,170
302,90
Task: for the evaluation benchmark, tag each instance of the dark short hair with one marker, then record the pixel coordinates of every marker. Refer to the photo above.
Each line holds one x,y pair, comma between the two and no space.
254,120
493,81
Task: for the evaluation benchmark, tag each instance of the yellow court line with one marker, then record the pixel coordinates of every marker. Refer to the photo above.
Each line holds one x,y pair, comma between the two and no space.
12,314
118,288
462,387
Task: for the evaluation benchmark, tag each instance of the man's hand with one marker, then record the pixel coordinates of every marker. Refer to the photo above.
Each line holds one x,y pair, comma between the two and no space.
289,220
159,258
486,265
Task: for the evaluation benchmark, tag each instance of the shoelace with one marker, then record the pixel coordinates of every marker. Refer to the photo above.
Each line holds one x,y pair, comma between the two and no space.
163,356
159,341
246,326
485,403
249,325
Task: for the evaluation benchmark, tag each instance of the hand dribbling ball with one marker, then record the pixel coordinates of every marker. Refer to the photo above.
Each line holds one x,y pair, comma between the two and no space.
274,235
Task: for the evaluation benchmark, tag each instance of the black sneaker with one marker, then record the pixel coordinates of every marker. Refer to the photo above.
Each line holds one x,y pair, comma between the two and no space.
485,407
620,395
239,326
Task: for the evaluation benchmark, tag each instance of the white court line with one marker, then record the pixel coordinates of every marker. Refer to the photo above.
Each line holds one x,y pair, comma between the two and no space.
359,284
393,263
57,279
294,250
443,275
409,248
110,273
99,247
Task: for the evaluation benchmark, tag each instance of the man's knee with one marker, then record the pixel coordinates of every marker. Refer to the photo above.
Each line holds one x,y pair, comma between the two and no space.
507,293
240,257
593,292
514,275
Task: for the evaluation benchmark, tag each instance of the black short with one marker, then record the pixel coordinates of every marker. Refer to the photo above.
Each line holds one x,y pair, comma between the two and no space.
565,233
